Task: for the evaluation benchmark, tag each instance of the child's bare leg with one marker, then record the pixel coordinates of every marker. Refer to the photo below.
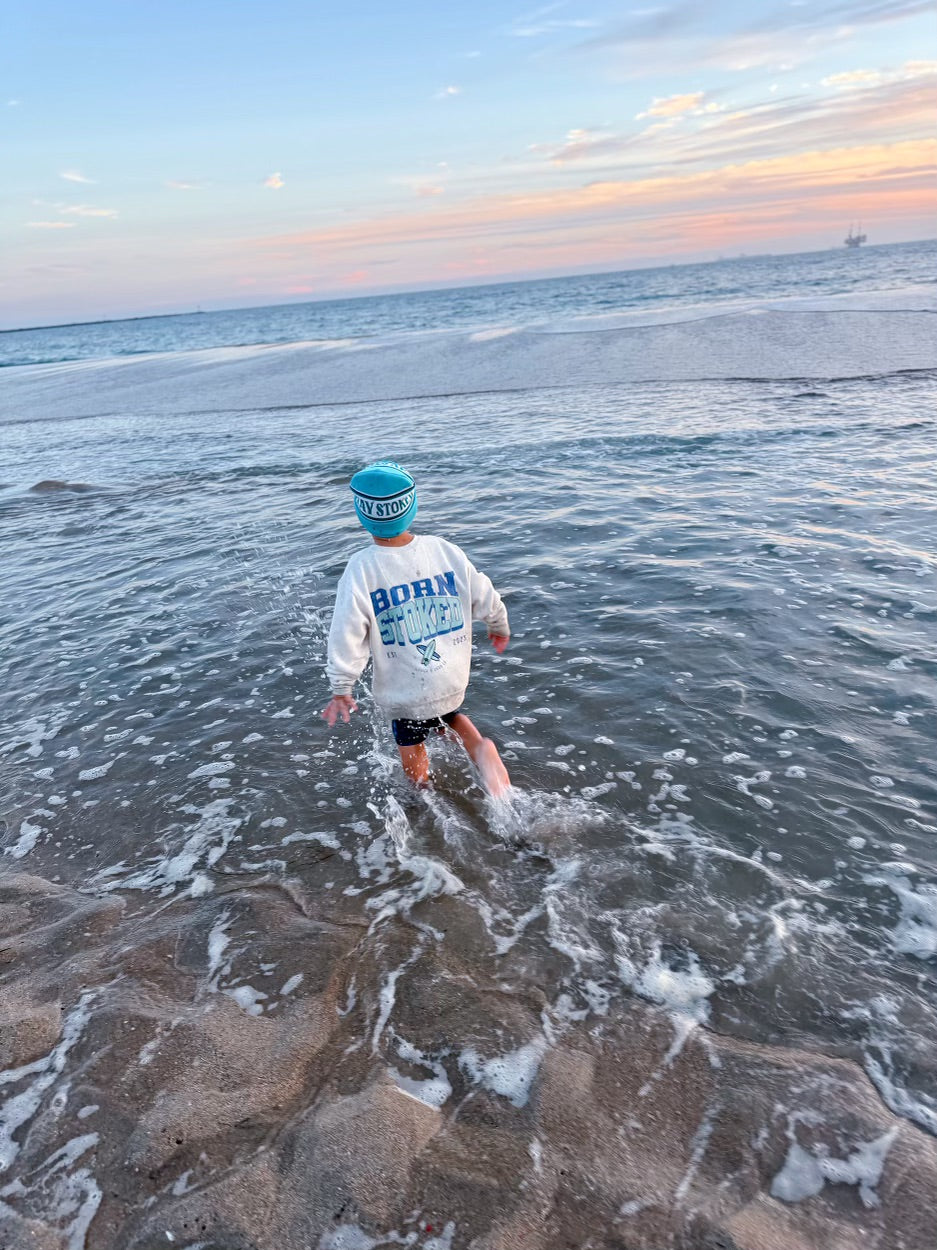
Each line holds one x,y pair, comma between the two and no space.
484,755
415,764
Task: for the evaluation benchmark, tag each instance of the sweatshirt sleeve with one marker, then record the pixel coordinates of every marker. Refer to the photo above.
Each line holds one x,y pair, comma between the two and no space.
487,604
349,642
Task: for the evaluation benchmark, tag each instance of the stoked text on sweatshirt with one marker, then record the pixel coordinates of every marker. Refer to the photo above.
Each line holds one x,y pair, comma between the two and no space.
411,609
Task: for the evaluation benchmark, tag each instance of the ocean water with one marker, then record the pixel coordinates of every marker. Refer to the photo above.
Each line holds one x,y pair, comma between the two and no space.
670,291
677,990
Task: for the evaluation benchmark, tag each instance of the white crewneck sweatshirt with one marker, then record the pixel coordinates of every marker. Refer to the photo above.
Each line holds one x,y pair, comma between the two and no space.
411,609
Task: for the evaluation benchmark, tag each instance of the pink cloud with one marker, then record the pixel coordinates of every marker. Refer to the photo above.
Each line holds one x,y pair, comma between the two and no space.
673,105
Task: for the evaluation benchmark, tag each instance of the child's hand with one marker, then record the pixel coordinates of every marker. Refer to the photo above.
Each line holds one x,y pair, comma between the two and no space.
499,642
340,705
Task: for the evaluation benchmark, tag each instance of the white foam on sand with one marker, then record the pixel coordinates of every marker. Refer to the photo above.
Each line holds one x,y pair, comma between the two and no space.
323,839
429,877
387,995
292,984
510,1075
353,1237
434,1091
805,1173
248,999
349,1237
207,841
888,1071
443,1241
698,1149
568,917
218,942
69,1196
18,1110
684,992
895,1096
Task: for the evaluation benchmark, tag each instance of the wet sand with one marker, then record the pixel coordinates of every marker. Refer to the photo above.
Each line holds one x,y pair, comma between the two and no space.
626,1126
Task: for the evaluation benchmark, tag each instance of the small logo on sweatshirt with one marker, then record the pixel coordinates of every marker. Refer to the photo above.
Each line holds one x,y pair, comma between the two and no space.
428,652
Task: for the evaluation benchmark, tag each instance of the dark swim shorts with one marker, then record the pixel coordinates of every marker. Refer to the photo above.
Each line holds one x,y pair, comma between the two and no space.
410,733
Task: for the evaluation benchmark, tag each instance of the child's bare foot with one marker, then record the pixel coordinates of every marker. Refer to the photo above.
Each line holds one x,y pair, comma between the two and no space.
494,775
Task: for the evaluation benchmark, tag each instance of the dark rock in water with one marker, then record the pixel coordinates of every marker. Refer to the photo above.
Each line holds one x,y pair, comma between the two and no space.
51,485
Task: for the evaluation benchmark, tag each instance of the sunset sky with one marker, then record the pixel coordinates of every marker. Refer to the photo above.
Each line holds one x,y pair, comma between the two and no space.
163,156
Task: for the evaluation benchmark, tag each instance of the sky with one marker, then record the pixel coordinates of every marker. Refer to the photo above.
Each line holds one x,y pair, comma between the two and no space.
163,156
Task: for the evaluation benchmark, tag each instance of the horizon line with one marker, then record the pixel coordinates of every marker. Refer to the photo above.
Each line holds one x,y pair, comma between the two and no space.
334,298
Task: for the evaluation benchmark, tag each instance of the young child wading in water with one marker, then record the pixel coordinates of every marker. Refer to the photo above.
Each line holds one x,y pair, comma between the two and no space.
408,602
